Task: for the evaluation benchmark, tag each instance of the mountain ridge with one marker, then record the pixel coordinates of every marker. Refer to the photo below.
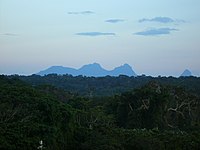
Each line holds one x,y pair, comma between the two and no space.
89,70
186,73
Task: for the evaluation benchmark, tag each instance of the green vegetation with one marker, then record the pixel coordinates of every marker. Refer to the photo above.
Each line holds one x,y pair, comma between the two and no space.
154,113
108,86
27,116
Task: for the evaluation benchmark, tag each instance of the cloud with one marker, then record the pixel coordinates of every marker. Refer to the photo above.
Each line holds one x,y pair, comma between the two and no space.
81,13
161,20
180,21
154,32
95,33
114,20
9,34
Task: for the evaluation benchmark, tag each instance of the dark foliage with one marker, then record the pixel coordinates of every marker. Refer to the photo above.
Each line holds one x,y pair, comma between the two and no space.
154,116
28,116
108,86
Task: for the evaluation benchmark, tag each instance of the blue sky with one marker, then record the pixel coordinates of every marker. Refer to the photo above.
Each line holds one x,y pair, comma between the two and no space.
157,37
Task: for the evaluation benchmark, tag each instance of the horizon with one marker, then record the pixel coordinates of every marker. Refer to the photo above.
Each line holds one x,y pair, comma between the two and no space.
153,37
78,68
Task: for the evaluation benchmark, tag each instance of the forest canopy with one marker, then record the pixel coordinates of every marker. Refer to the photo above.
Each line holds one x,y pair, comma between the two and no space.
135,113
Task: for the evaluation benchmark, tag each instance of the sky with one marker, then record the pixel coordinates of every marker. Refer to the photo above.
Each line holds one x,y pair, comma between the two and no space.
155,37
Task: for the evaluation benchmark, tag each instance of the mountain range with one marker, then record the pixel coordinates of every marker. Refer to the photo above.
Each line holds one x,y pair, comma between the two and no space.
89,70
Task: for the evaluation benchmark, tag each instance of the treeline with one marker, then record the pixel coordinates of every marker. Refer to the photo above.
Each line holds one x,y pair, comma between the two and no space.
109,86
154,116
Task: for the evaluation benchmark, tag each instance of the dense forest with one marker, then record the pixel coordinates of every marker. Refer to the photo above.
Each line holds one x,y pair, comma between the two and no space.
105,113
108,86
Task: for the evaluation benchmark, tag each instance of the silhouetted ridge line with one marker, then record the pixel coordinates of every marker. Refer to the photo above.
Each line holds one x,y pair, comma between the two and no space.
89,70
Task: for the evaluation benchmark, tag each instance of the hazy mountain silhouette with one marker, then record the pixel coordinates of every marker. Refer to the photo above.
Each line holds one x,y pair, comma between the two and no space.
124,69
186,73
94,70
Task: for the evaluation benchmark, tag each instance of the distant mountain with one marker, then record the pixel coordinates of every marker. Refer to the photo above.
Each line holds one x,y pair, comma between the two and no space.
58,70
124,69
186,73
94,70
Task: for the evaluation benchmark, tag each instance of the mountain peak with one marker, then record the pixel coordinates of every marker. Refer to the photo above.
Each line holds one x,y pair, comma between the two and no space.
53,67
186,73
125,69
91,66
94,65
126,65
